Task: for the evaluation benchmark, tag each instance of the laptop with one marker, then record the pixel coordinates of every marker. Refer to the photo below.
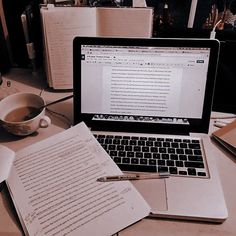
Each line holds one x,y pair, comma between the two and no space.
148,102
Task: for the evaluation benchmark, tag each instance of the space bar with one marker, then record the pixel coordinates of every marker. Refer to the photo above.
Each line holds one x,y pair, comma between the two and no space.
138,168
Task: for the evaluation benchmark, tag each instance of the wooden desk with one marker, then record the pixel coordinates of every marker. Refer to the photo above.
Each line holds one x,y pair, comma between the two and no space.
23,80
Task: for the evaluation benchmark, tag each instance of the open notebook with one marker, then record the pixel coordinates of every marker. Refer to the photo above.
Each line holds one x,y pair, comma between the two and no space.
148,102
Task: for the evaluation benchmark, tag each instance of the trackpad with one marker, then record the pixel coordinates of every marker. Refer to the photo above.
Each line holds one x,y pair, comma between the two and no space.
154,192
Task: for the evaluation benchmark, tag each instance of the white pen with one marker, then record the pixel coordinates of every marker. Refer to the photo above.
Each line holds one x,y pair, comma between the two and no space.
133,177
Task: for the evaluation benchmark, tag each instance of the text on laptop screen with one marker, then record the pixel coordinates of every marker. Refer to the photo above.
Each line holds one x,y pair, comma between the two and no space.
143,82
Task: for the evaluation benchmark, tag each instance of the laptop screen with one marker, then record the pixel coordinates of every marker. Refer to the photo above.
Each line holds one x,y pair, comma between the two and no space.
158,82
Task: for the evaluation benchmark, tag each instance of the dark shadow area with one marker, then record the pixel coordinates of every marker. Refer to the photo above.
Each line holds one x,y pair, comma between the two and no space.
226,152
9,206
7,137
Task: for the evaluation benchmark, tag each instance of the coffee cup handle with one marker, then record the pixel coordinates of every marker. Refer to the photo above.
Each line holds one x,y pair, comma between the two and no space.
44,122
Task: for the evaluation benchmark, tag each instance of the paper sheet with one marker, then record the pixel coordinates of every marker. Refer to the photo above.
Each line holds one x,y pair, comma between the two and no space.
6,158
54,187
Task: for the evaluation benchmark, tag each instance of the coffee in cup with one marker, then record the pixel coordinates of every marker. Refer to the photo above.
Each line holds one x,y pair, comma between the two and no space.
21,113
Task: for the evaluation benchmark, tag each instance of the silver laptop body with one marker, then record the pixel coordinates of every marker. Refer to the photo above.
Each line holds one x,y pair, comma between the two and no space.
157,89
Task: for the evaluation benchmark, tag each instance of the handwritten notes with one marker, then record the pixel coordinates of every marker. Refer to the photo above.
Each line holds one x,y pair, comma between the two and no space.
53,184
60,26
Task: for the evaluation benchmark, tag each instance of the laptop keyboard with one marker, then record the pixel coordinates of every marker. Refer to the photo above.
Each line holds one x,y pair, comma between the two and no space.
179,157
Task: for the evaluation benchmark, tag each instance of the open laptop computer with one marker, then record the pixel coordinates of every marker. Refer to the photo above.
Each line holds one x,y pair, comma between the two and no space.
148,102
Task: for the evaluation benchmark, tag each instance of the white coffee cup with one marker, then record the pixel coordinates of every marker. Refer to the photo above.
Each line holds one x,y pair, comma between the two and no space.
14,108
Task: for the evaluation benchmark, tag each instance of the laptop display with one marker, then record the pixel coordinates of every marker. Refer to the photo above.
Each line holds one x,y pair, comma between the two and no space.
149,85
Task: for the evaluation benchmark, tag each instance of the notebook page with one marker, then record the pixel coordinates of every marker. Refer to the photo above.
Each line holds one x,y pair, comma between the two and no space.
54,187
60,26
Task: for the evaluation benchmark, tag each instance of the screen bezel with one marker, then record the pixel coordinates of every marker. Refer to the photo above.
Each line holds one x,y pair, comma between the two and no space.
196,125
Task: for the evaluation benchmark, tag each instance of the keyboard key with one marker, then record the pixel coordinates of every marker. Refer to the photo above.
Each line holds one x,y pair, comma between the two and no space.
177,140
175,145
195,158
156,155
191,171
121,154
165,156
120,148
152,162
186,141
111,147
137,168
149,143
183,157
173,156
183,145
195,141
141,142
108,141
170,163
143,138
135,161
130,154
197,152
151,139
171,150
179,163
160,139
162,169
169,140
124,142
161,162
139,154
143,161
116,141
154,149
100,140
117,159
135,138
166,144
132,142
137,149
158,144
179,151
173,170
162,150
145,149
128,148
147,155
113,153
188,151
182,172
201,173
104,146
126,160
194,164
194,145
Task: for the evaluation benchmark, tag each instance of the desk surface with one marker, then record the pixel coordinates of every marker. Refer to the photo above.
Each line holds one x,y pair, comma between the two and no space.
22,80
